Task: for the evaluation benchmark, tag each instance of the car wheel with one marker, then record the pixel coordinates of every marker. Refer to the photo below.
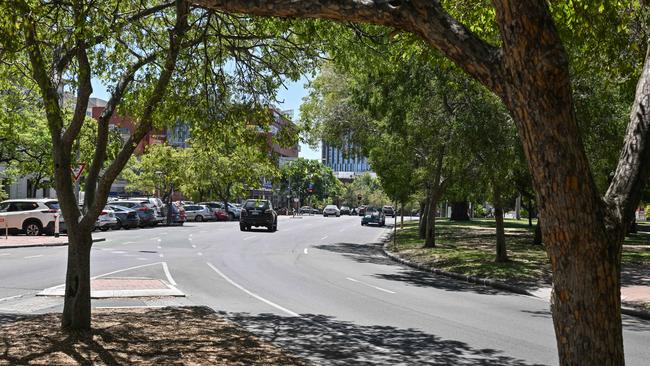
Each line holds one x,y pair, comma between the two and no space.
33,228
324,215
119,225
198,218
104,228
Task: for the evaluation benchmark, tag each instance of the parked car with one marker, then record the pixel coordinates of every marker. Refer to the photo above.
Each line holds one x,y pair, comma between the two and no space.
178,213
305,210
30,216
126,218
345,210
316,211
153,202
331,210
233,211
374,216
388,211
106,219
257,212
361,210
199,213
146,213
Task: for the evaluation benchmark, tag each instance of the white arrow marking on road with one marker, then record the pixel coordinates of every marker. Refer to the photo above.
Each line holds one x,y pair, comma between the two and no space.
285,310
168,274
33,256
250,237
369,285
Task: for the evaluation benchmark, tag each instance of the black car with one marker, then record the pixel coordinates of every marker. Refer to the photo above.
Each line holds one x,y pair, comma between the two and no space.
258,213
345,210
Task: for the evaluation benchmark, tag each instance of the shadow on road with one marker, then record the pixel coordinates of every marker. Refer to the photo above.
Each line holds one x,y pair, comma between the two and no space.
371,253
330,342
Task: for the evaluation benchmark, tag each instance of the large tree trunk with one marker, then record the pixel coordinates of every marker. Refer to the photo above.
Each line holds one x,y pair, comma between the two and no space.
459,211
76,305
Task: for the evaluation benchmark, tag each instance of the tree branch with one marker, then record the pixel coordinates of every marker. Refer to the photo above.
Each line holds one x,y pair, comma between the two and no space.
425,18
146,122
102,129
632,171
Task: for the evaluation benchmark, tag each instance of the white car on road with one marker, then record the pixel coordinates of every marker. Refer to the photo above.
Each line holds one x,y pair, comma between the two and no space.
30,216
331,210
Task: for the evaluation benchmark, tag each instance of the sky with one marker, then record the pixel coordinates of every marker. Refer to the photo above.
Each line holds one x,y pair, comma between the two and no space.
289,98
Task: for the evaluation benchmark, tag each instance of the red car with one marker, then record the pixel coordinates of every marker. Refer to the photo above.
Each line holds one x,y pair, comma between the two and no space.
220,215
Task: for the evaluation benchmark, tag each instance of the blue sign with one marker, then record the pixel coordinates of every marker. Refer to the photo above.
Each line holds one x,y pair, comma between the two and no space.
268,185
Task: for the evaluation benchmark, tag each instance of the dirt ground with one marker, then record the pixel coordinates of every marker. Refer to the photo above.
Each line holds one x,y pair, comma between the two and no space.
164,336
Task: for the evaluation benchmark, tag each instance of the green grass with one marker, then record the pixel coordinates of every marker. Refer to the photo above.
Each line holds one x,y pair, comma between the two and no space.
470,248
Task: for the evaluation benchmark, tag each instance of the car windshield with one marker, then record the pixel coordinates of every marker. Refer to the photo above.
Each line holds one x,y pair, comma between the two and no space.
330,206
370,209
256,204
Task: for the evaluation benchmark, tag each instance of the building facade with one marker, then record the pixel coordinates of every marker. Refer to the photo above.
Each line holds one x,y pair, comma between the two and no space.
345,164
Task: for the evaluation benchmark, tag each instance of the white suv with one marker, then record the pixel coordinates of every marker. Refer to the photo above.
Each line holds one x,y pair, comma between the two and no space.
30,216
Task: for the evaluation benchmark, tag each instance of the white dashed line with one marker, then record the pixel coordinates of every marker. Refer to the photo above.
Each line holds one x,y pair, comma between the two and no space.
199,253
306,251
193,246
161,255
250,237
190,239
323,238
128,242
33,256
142,259
3,254
159,247
118,252
369,285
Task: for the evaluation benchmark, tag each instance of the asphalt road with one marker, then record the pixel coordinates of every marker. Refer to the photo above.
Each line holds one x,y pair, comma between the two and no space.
318,287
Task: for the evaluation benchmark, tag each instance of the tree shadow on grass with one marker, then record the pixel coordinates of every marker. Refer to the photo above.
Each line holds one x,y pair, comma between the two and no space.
327,341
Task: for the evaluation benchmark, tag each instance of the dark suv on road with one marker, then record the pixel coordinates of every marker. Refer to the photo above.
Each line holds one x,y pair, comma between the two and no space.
258,213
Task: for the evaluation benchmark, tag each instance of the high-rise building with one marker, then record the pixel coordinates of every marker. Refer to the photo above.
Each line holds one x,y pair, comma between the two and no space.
345,164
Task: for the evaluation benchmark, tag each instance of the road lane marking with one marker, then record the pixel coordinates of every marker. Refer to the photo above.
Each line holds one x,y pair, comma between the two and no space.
306,251
199,253
3,254
193,246
132,307
159,247
128,242
118,252
268,302
293,313
323,238
190,239
168,274
161,255
33,256
156,238
369,285
125,269
11,297
142,259
250,237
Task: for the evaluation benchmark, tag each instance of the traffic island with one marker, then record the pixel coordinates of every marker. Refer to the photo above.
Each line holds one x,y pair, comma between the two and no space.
162,336
24,241
119,287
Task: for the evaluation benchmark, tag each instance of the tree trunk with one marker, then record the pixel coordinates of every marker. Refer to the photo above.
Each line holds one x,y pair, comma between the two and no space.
537,240
76,305
430,234
530,213
424,205
459,211
502,254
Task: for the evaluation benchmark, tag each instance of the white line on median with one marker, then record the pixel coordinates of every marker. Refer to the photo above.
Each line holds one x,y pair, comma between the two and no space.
285,310
369,285
168,274
33,256
10,297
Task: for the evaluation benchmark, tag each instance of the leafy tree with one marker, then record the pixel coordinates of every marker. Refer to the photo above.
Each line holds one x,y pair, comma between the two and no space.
161,60
309,181
522,58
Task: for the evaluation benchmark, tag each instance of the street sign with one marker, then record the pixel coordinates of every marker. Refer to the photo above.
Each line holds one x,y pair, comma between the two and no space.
76,171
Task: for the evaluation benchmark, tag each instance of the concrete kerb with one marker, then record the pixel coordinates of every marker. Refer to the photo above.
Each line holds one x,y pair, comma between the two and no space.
386,241
44,244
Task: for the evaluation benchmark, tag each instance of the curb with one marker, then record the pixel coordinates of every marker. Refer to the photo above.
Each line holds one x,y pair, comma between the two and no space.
44,244
643,314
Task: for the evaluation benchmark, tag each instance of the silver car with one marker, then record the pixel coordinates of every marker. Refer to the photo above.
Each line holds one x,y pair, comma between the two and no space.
199,213
106,219
331,210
